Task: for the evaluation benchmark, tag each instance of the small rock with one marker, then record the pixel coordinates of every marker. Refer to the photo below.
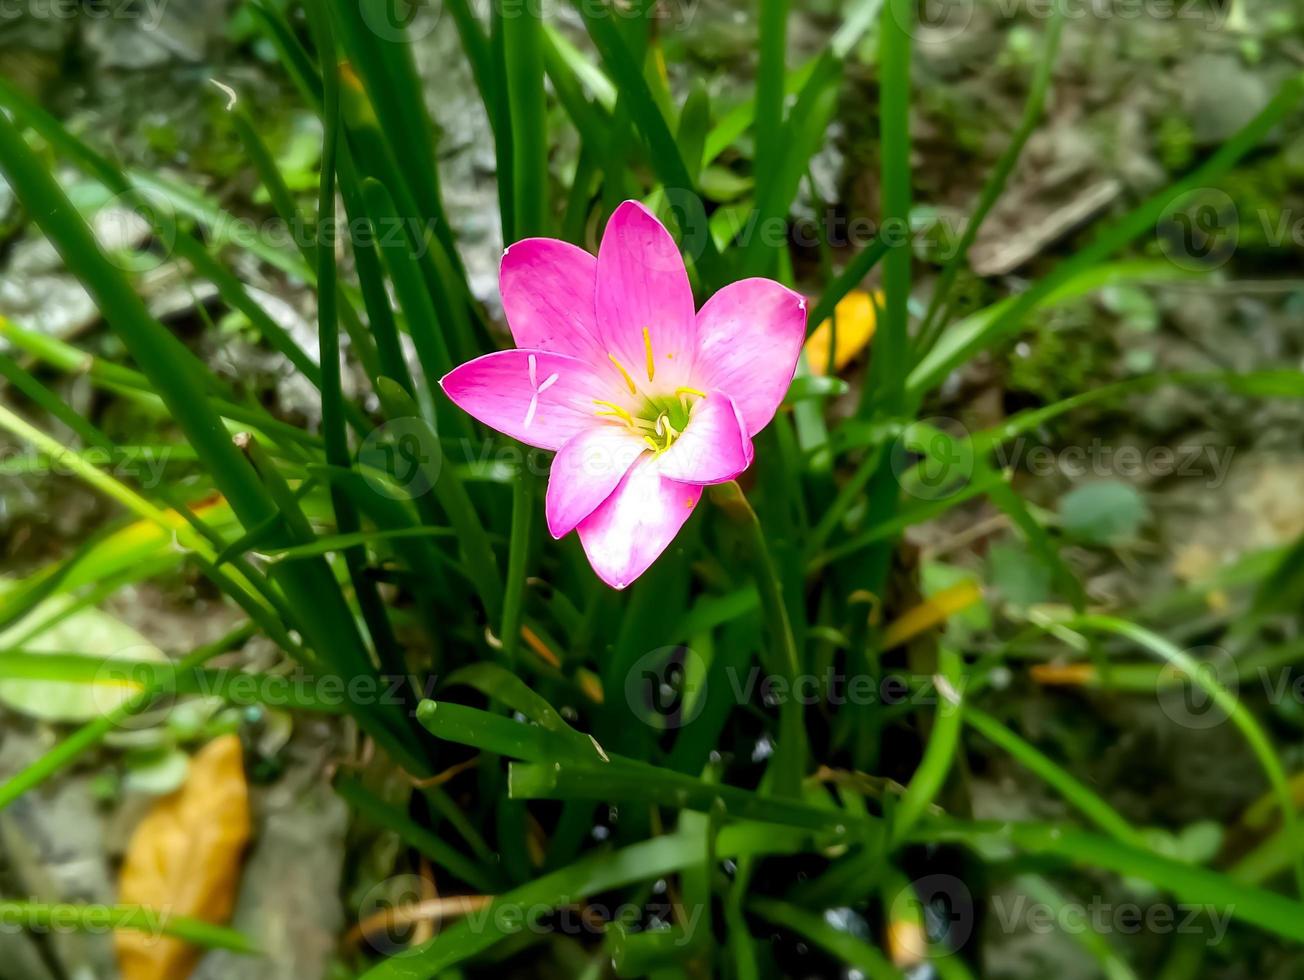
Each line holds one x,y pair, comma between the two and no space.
52,842
1221,96
155,33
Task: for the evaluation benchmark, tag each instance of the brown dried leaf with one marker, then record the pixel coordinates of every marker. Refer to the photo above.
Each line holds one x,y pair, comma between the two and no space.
184,859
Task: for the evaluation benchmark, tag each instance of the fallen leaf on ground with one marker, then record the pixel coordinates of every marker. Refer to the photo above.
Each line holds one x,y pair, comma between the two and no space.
857,317
184,859
933,611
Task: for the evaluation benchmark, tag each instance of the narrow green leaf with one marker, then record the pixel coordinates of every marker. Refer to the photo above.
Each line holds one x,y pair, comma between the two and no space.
136,918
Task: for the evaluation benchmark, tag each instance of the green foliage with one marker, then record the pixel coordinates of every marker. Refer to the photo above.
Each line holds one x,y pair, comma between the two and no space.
400,548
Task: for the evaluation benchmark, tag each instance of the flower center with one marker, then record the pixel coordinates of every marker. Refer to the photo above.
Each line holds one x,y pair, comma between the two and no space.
660,419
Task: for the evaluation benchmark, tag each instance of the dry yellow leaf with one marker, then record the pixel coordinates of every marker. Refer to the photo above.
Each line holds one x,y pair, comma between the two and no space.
184,859
1064,675
857,319
933,611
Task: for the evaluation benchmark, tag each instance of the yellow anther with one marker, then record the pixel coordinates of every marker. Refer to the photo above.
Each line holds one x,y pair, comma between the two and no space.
647,346
690,391
653,443
621,368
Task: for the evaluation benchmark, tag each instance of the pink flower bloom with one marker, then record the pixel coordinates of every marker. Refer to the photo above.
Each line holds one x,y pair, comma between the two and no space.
644,399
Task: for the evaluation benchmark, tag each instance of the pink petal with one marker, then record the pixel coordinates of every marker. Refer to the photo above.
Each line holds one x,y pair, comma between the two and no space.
585,473
542,399
714,447
749,336
642,284
547,287
636,523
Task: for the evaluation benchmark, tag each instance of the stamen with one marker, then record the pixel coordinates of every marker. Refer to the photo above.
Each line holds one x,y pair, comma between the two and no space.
647,345
616,411
621,368
653,443
690,391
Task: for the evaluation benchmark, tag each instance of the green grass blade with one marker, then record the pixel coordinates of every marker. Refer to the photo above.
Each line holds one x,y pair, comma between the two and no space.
626,72
934,320
1187,882
785,658
856,953
340,542
891,339
389,76
1082,798
942,746
769,129
364,347
524,506
933,369
67,751
601,872
1255,736
367,594
424,840
852,275
136,918
451,492
187,248
135,387
1040,890
397,252
46,400
522,31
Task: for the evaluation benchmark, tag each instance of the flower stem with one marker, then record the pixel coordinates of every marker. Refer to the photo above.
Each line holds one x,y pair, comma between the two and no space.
517,562
785,659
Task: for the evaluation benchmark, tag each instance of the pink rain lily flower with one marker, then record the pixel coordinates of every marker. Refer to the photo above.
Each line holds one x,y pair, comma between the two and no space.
644,399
